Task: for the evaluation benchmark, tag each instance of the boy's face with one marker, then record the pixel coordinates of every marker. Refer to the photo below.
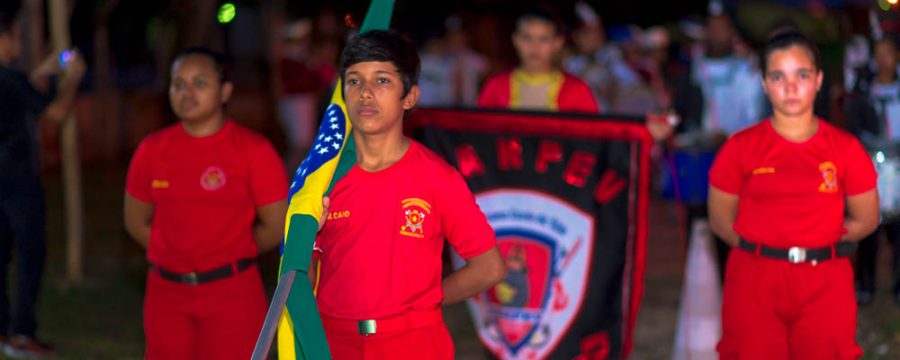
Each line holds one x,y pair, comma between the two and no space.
373,91
537,43
195,92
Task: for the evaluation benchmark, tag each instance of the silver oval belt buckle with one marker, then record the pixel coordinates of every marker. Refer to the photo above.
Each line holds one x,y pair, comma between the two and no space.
796,255
366,327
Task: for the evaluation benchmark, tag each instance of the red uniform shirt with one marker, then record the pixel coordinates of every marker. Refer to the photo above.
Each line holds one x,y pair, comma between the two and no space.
792,194
205,192
382,242
573,94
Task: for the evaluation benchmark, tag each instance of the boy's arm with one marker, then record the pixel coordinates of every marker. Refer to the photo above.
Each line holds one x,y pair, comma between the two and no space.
480,273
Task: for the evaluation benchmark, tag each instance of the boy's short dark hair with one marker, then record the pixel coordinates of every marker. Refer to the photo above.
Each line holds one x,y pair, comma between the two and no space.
220,61
9,11
383,45
541,13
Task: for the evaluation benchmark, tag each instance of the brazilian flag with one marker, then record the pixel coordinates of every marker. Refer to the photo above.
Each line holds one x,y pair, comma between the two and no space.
300,333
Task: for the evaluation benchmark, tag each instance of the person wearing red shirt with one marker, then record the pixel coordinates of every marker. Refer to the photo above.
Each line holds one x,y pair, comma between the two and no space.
378,260
204,196
538,83
792,194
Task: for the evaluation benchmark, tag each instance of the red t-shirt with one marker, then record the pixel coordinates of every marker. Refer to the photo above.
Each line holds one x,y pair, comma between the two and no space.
205,192
382,242
574,94
792,194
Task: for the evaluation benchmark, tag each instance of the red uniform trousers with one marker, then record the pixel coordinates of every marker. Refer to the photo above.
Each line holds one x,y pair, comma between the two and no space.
220,319
412,336
773,309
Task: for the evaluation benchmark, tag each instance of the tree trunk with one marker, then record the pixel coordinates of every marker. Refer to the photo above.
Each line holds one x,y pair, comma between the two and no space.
71,168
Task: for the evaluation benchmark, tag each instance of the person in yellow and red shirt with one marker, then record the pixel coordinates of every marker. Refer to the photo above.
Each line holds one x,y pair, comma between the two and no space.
382,233
204,196
538,83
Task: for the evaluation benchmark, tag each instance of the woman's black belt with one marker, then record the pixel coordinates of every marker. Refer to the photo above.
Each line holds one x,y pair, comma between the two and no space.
799,254
197,278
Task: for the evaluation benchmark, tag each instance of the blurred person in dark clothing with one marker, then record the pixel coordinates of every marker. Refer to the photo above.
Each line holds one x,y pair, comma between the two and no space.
873,114
720,95
22,215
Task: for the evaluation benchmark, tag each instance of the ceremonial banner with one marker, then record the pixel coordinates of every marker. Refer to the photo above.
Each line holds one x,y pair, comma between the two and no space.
567,198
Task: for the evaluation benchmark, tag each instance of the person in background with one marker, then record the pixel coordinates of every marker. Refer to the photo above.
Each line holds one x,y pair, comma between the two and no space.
301,84
22,212
204,197
451,71
873,114
593,59
538,83
720,95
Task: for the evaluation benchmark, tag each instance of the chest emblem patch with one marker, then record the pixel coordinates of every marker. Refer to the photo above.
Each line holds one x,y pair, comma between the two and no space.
212,179
415,211
829,177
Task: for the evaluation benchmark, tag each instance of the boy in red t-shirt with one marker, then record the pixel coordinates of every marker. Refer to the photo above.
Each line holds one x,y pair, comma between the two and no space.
204,197
383,228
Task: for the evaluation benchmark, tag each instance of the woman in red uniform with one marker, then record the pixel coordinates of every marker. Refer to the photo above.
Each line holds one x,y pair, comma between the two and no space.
793,194
204,196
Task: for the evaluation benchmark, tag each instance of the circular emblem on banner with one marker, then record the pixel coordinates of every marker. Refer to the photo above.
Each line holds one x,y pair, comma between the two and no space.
212,179
546,244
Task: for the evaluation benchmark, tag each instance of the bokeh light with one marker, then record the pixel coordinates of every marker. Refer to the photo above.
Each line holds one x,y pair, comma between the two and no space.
226,13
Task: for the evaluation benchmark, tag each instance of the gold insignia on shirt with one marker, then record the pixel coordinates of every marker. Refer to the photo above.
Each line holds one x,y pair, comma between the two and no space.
159,184
334,215
213,178
415,211
763,170
829,177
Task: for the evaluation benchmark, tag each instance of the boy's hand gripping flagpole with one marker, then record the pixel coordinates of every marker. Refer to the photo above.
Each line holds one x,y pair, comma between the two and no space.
293,308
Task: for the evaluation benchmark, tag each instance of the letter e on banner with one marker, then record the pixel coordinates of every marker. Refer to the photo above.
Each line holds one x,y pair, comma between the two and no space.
579,168
548,151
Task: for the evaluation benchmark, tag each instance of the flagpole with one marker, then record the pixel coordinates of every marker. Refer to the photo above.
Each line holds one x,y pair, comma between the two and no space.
267,334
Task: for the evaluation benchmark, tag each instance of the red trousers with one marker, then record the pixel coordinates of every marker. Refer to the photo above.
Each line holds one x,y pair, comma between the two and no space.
772,309
216,320
427,341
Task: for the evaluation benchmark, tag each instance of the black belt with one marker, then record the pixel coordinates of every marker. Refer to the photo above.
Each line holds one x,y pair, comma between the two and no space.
197,278
798,254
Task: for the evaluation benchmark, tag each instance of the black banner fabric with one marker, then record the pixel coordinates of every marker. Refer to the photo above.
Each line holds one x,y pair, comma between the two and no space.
567,198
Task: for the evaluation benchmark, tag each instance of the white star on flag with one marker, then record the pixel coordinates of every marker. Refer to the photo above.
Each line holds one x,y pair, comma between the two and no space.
324,150
334,126
336,146
328,139
338,136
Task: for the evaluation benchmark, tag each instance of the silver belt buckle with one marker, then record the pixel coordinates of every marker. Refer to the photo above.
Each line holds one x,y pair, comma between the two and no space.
796,255
366,327
190,278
